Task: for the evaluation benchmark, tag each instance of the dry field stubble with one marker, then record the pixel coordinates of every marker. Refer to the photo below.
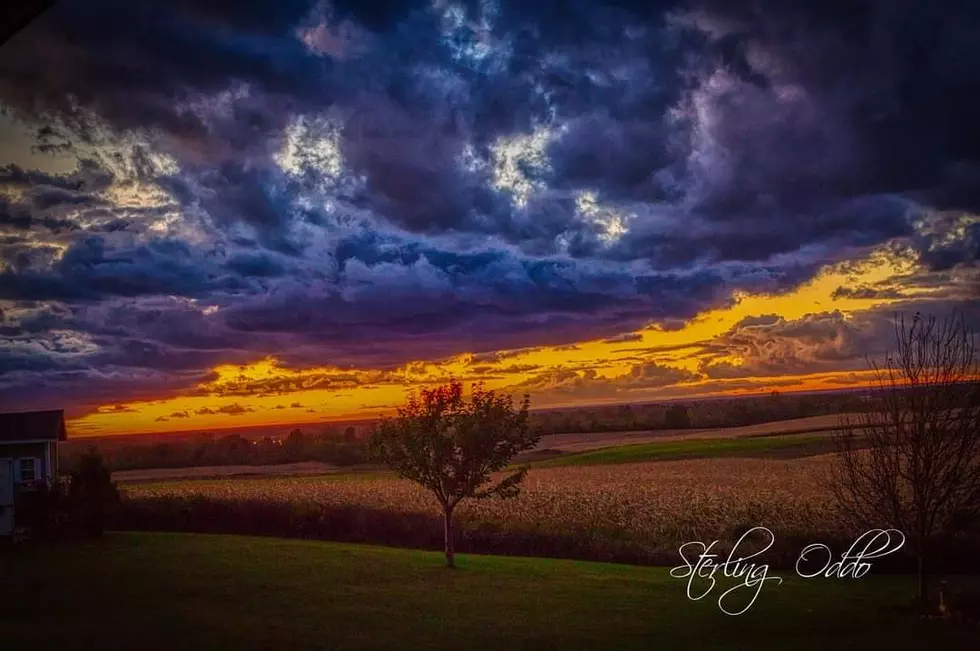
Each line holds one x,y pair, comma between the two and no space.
651,504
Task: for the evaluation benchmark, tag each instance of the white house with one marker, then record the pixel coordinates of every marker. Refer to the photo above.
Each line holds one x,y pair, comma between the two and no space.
28,456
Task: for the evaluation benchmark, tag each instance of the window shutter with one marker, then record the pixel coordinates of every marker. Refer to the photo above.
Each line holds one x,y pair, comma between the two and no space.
33,464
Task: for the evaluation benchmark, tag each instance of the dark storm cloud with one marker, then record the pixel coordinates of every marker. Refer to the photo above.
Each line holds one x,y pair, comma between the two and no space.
950,286
619,157
18,217
391,301
133,76
53,197
236,193
607,68
255,264
866,292
587,384
781,126
745,145
79,390
761,232
90,178
940,252
117,409
900,72
234,410
625,338
123,350
820,342
777,346
817,133
412,171
59,203
144,354
327,380
92,269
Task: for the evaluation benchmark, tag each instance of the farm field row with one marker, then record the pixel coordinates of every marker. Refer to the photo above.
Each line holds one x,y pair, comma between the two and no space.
654,505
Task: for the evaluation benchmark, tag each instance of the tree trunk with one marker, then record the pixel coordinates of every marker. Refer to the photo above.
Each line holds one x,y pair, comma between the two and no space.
448,516
923,578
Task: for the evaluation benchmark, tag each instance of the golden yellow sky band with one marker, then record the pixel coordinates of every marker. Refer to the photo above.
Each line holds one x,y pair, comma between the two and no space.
266,393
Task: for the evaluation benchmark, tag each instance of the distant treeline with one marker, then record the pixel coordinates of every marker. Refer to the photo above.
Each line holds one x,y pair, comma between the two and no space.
729,412
345,447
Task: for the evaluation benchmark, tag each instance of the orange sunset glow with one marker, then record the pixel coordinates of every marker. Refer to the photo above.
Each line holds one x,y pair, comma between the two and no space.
266,392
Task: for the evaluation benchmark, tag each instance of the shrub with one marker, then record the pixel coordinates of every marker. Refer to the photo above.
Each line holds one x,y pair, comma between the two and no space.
43,511
91,494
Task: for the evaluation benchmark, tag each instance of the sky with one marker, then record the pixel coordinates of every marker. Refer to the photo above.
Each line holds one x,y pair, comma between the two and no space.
219,214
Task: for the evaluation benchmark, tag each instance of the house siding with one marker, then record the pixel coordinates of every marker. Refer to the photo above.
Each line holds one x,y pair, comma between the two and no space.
37,450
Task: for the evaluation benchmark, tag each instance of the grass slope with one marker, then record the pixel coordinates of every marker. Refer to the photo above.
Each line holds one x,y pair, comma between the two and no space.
166,591
698,448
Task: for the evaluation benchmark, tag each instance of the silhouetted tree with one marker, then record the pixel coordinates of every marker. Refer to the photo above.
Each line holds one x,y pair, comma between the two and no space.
295,446
91,492
451,446
918,466
677,417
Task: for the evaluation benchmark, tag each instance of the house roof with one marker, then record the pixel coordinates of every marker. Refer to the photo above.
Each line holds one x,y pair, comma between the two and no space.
33,426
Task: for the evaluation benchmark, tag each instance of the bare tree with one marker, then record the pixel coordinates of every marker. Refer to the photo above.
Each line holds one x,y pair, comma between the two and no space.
452,447
912,461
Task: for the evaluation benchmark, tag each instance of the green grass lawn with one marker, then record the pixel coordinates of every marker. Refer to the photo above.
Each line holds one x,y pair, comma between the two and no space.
176,591
796,445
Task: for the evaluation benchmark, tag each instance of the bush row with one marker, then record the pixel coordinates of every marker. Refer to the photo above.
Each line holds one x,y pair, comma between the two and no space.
355,524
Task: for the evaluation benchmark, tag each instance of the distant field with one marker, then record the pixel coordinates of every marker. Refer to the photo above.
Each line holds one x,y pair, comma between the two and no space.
596,440
784,446
768,439
212,472
164,591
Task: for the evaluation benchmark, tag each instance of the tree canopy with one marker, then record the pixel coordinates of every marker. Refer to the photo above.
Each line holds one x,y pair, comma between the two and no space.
453,447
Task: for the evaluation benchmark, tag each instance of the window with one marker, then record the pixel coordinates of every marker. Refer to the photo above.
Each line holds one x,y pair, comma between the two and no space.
28,470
